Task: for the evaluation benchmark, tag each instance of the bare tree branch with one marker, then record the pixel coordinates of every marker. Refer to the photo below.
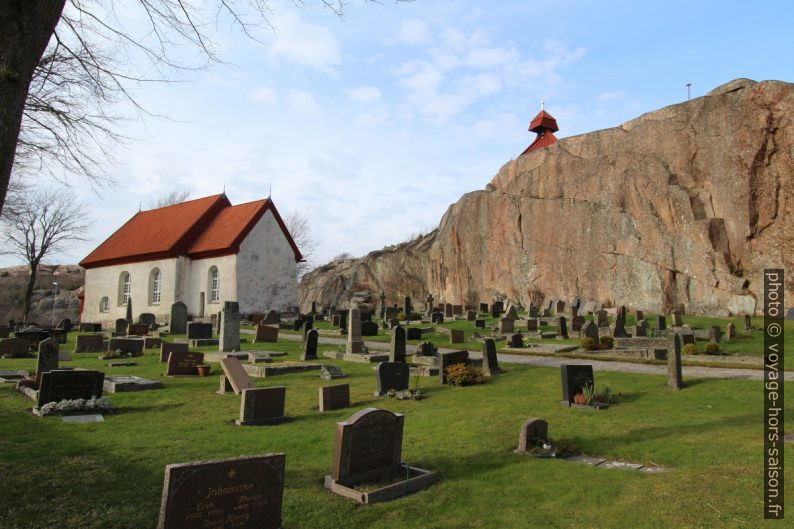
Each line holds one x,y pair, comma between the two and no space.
298,226
168,199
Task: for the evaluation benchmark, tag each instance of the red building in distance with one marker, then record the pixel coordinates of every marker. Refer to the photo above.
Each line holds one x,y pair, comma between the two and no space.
544,125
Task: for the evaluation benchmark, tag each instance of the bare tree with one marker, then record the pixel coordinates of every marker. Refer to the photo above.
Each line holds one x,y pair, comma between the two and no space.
298,226
176,196
64,62
42,224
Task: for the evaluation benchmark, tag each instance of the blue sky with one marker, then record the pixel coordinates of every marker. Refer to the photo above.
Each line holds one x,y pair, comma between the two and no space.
372,125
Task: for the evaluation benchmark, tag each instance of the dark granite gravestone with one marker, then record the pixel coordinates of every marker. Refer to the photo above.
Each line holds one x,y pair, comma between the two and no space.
533,311
229,334
574,379
562,327
532,430
297,324
687,338
730,332
306,327
147,318
517,340
367,443
137,329
262,406
499,306
89,343
577,322
166,348
639,316
426,349
483,307
661,322
14,348
272,317
48,357
310,347
748,323
413,333
448,310
676,318
620,329
479,323
331,372
512,313
369,328
183,364
199,331
456,336
437,318
574,311
490,362
471,315
266,334
622,312
242,492
121,326
532,324
715,333
57,385
65,324
398,341
641,329
447,359
178,320
334,397
391,375
506,325
408,307
130,346
675,379
560,307
335,320
495,312
457,310
602,320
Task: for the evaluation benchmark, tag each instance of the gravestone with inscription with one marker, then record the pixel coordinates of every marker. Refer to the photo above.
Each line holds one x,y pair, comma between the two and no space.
260,406
266,334
57,385
676,318
229,335
367,444
532,431
89,343
331,372
199,331
562,327
334,397
137,329
575,377
591,331
14,348
715,333
121,326
128,346
242,492
517,340
166,348
355,345
178,320
183,364
456,336
641,329
48,357
391,375
398,342
661,322
506,325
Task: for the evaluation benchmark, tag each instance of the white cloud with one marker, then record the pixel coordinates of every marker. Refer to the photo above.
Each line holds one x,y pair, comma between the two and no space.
262,94
363,94
414,32
303,43
302,101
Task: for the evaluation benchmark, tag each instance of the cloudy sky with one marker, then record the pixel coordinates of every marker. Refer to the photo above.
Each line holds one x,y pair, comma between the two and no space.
373,124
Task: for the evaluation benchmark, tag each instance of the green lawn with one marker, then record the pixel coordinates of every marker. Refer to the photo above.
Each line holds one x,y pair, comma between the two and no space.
109,475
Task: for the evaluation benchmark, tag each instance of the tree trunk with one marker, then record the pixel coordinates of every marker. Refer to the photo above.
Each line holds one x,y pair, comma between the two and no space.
25,29
34,268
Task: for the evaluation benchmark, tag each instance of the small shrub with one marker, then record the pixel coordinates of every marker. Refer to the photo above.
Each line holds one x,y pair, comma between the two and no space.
690,349
463,375
580,398
401,316
607,342
588,344
564,447
408,394
712,349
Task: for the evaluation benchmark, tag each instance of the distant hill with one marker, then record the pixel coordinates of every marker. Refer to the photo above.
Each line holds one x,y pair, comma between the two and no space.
13,281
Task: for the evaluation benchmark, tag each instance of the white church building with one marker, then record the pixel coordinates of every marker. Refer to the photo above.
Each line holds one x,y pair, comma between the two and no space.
201,252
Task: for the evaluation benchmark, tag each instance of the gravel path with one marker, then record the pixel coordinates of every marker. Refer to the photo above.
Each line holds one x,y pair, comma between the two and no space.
598,365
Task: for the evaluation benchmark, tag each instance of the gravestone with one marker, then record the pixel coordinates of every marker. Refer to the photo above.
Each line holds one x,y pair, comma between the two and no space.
495,312
121,326
229,335
355,345
128,346
177,323
236,375
369,328
448,310
447,359
748,323
661,322
137,329
641,329
506,325
479,323
266,334
334,397
575,377
471,315
366,444
620,329
533,311
675,378
490,362
260,406
687,338
4,331
456,336
560,307
437,318
429,304
272,317
335,320
562,327
331,372
183,364
391,375
532,324
532,431
89,343
483,307
310,347
307,326
147,318
166,348
398,341
48,357
622,312
591,331
65,324
676,318
426,349
242,492
499,306
639,316
413,333
602,320
574,311
517,340
14,347
457,310
58,385
715,334
407,307
512,313
125,383
199,331
730,332
577,322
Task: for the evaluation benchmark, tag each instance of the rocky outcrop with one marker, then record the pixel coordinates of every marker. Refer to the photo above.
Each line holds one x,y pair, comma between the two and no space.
13,280
682,207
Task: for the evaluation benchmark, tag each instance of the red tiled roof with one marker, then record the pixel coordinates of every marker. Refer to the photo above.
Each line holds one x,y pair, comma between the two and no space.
543,121
540,142
199,228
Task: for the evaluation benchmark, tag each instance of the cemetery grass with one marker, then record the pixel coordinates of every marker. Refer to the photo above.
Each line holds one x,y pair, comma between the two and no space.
110,474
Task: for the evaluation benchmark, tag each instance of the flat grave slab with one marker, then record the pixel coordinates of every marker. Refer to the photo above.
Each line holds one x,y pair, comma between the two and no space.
622,465
12,376
217,357
271,370
124,383
371,358
122,364
83,419
586,460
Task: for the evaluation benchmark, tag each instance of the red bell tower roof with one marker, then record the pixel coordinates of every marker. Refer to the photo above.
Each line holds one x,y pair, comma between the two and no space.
544,125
